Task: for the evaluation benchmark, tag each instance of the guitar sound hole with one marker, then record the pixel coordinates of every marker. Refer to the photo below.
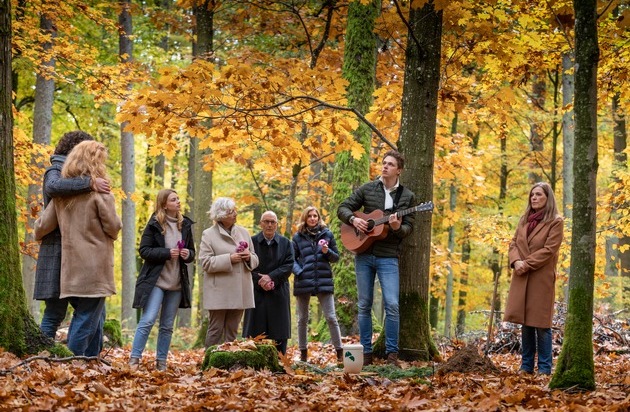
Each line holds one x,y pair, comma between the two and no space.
370,225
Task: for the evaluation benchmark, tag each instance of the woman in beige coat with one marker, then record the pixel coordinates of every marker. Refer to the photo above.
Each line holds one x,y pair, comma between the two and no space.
89,225
227,261
533,256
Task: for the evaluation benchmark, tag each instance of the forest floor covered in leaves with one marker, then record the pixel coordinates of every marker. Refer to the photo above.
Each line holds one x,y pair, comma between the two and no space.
41,384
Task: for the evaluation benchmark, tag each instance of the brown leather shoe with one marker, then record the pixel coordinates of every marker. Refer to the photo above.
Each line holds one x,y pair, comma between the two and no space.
392,359
303,355
339,355
134,363
160,365
367,359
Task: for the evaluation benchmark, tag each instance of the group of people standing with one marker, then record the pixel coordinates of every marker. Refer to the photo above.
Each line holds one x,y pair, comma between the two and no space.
246,279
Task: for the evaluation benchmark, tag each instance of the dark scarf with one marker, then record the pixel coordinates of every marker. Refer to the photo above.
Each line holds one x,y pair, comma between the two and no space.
534,219
313,231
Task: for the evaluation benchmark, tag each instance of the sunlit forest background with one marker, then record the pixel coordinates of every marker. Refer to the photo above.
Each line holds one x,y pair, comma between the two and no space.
246,99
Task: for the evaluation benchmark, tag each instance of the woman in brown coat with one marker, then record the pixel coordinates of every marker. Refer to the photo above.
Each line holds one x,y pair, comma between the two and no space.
533,256
89,225
227,259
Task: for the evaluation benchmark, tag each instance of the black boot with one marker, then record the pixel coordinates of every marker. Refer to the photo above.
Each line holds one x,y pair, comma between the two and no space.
367,359
303,355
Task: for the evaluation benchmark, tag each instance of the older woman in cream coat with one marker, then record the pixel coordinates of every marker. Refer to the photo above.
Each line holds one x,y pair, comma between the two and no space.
227,260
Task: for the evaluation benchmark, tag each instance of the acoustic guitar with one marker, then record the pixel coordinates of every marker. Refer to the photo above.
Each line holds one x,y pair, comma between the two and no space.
356,241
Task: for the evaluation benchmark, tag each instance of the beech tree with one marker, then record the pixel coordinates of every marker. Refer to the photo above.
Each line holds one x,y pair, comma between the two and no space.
417,143
575,366
359,69
42,127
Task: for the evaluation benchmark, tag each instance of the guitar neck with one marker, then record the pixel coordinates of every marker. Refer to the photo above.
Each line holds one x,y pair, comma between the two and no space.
400,213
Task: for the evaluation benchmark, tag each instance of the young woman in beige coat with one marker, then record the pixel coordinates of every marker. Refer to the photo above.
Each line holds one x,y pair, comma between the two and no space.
227,259
89,225
533,256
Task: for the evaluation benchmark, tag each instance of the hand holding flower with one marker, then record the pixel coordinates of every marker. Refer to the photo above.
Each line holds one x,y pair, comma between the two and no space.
324,245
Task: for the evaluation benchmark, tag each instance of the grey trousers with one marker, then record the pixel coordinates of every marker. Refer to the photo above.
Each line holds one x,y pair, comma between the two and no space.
327,302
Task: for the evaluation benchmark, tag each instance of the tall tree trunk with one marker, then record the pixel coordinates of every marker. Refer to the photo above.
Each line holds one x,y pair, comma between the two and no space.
417,143
128,162
463,282
555,136
359,69
621,164
568,136
467,247
575,364
448,305
201,189
539,91
42,126
19,333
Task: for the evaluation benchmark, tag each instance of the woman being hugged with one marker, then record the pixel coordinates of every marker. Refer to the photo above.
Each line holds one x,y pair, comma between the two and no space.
227,261
314,249
163,285
533,256
89,225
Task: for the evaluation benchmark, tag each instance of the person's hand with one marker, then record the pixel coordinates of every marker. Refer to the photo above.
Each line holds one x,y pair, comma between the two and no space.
101,185
245,255
266,282
519,267
174,253
184,253
235,257
325,248
360,224
394,221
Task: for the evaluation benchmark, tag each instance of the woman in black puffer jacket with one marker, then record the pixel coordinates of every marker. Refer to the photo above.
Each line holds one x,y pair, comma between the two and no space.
314,249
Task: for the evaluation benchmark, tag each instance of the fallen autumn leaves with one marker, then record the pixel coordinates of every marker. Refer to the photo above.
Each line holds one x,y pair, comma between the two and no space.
80,385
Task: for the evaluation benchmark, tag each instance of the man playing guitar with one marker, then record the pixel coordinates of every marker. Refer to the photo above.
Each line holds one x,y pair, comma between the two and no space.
381,257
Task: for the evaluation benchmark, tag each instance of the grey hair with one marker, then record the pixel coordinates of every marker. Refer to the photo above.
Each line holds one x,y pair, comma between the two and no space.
268,212
220,208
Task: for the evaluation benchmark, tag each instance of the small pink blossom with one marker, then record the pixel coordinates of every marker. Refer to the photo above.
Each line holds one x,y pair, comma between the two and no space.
323,242
242,245
180,244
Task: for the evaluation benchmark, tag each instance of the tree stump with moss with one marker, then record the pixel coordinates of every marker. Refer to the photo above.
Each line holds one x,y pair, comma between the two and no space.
113,331
245,354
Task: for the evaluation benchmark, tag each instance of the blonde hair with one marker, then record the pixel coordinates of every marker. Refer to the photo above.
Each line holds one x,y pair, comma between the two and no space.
302,225
160,206
551,207
86,159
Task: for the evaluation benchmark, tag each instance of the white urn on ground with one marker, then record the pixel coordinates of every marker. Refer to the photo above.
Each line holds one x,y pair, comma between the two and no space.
352,358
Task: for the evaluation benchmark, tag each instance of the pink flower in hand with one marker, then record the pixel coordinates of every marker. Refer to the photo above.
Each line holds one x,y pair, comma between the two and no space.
180,244
242,245
323,242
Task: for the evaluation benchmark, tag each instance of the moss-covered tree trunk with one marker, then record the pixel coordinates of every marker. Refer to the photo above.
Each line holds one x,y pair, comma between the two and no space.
359,68
19,333
575,365
417,143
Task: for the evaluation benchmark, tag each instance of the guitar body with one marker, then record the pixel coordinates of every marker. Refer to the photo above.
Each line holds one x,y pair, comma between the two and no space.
357,241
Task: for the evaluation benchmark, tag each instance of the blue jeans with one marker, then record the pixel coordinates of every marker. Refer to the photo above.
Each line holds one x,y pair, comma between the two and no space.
536,338
169,301
85,335
54,314
367,267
